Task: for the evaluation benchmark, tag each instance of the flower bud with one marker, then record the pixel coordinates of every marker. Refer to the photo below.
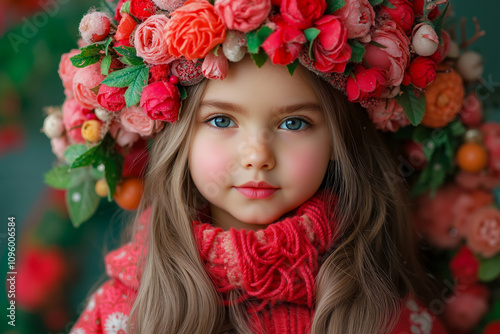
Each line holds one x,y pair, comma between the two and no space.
103,114
234,46
53,125
425,41
94,27
470,65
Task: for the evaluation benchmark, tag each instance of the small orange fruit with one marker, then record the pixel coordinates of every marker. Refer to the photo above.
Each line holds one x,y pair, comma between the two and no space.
91,130
128,193
444,99
101,188
472,157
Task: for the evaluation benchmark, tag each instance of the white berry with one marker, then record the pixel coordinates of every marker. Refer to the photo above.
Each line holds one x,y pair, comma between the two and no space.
53,125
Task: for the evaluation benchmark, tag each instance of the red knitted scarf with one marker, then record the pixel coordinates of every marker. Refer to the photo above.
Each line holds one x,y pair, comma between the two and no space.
272,269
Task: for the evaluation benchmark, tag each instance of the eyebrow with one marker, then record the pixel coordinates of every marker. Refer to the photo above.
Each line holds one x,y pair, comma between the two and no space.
280,111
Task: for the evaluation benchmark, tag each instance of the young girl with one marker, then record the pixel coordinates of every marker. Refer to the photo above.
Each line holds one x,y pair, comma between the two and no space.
270,202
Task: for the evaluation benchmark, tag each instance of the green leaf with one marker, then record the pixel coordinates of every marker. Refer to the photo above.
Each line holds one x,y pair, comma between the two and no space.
107,44
438,23
113,165
333,5
106,62
125,8
372,42
375,2
74,151
82,201
134,90
413,106
457,129
489,269
182,92
86,158
387,4
256,38
132,61
58,177
259,58
357,51
291,67
311,34
124,77
88,55
348,68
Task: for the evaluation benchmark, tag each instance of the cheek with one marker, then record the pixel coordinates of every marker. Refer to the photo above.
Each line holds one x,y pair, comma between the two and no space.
210,165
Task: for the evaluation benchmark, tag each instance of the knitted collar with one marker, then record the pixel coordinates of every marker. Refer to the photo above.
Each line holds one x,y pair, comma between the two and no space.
273,269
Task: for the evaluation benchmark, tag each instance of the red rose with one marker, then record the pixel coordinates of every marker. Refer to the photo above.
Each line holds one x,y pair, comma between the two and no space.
330,48
284,44
161,101
301,13
402,14
422,71
465,266
111,98
142,9
365,83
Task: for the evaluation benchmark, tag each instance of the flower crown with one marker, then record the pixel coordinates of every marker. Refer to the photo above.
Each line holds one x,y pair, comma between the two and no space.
135,58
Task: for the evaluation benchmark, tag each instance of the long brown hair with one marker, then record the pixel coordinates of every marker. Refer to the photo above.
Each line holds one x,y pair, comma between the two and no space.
360,285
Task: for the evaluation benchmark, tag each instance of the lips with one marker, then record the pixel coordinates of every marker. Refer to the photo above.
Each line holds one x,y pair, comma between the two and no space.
256,190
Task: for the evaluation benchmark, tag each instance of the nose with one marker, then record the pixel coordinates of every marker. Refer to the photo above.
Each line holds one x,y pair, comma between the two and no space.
259,155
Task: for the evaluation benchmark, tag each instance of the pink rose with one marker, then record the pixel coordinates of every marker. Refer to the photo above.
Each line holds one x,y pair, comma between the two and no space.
284,44
59,145
243,15
358,17
85,79
483,231
215,67
394,57
472,111
491,135
161,101
330,48
111,98
150,41
403,14
464,310
388,115
123,137
67,72
73,115
365,83
466,204
301,13
135,120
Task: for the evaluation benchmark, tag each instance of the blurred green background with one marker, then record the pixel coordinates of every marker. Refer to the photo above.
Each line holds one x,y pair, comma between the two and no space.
33,35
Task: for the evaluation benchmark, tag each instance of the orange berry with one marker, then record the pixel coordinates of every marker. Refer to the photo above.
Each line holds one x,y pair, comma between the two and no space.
101,188
128,193
444,98
91,130
472,157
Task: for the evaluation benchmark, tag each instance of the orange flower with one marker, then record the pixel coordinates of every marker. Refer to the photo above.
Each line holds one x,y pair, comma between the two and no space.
193,30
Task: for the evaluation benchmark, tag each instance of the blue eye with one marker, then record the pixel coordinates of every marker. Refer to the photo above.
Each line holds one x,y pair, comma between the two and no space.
294,124
221,122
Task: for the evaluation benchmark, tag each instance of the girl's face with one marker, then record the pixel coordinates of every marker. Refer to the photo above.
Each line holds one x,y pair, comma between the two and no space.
260,146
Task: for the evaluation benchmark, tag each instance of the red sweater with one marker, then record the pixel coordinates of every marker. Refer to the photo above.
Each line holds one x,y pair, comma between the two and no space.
109,307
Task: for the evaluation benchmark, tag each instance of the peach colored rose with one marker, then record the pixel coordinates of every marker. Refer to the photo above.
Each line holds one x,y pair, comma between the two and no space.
86,79
194,29
123,137
358,17
395,57
135,120
243,15
483,231
464,310
59,145
215,67
388,115
67,72
73,117
150,42
466,204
